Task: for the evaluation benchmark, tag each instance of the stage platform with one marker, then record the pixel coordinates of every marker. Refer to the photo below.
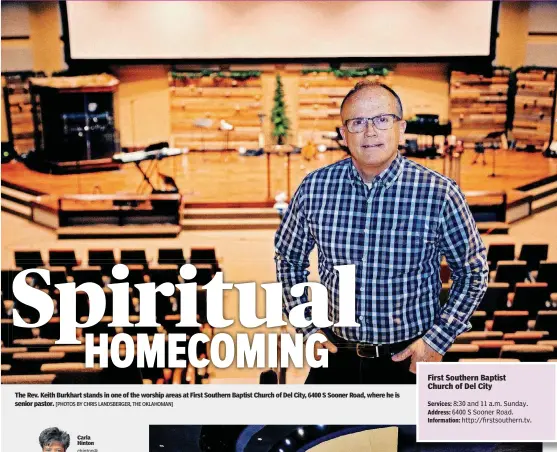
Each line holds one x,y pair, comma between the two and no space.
211,183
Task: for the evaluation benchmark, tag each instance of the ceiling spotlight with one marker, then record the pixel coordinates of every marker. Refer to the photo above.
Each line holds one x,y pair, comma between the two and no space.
259,439
301,431
287,442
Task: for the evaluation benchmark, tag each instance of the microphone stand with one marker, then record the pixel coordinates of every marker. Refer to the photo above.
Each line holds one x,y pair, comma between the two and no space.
493,164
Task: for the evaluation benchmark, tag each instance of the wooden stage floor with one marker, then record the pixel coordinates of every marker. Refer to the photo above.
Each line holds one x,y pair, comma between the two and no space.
228,178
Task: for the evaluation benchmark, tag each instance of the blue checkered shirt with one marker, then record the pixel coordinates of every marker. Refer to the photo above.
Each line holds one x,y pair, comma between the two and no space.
395,233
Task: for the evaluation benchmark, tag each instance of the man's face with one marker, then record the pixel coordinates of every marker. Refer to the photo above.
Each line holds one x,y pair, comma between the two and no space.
55,446
372,149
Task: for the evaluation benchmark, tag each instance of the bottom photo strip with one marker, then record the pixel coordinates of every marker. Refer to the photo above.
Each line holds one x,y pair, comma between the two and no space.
314,438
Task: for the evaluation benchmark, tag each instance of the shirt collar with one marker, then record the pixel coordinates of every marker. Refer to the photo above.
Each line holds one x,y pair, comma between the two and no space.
386,177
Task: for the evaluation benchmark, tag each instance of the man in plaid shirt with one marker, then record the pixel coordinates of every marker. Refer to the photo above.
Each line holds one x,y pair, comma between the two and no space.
393,219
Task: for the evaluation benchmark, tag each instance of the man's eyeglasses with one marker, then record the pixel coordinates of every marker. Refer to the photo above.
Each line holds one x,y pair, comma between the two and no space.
381,122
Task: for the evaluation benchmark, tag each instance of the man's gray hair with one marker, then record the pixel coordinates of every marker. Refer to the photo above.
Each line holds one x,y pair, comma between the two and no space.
365,84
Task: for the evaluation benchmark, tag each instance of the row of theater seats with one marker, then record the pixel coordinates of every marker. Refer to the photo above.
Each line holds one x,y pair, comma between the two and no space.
530,253
107,257
38,359
532,258
51,330
64,267
137,275
513,272
516,319
30,355
521,294
509,308
526,346
530,297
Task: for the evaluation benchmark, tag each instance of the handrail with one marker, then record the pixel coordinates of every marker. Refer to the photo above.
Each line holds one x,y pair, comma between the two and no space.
122,197
177,197
480,193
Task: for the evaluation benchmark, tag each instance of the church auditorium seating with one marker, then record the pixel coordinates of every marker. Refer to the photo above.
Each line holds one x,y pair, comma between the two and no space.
30,363
134,257
204,256
552,343
459,351
488,360
38,358
160,273
103,258
533,254
171,256
133,330
495,298
73,372
511,272
500,252
548,274
7,277
102,327
58,275
8,353
91,274
478,320
500,321
466,338
28,259
51,330
509,321
490,349
62,258
72,353
527,353
205,273
526,337
10,333
547,321
531,297
35,343
5,309
28,379
81,304
137,275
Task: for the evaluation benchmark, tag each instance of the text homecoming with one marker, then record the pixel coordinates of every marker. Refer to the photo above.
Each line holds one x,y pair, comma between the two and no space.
160,350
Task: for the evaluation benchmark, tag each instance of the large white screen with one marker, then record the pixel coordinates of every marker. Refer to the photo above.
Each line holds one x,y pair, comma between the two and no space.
274,29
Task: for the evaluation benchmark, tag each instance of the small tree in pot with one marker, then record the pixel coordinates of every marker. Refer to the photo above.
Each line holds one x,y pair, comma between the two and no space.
281,124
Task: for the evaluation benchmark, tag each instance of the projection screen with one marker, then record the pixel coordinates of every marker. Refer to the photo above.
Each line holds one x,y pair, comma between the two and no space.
122,30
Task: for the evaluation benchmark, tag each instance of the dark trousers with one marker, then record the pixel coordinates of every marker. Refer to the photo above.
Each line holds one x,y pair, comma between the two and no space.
346,367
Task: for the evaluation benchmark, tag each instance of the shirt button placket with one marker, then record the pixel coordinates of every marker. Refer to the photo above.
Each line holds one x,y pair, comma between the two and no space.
368,232
371,193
